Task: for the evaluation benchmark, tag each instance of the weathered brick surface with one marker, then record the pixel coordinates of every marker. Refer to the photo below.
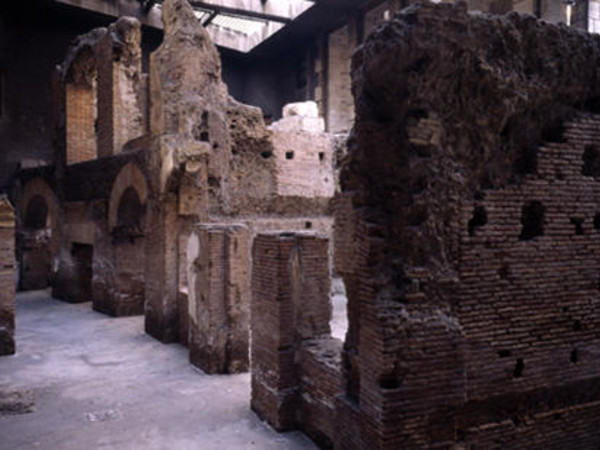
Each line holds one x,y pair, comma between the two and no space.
303,164
81,114
7,277
104,105
290,304
320,369
219,298
161,271
120,101
469,249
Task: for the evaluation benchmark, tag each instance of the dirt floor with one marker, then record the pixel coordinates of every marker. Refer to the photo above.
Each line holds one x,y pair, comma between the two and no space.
82,380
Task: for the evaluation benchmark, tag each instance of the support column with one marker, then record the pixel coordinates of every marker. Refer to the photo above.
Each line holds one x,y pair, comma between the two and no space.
290,292
7,277
161,315
219,297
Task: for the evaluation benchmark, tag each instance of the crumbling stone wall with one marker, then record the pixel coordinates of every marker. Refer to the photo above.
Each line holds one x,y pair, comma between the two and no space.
7,277
465,235
211,160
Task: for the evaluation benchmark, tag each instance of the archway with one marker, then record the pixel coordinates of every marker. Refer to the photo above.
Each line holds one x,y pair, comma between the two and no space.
37,235
119,275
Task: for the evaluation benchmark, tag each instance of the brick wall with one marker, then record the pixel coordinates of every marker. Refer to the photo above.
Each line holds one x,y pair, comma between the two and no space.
303,158
219,297
120,86
290,307
7,278
529,294
81,117
320,369
161,270
468,246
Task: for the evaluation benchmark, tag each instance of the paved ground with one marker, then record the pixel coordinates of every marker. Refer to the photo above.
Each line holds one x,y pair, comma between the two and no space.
96,382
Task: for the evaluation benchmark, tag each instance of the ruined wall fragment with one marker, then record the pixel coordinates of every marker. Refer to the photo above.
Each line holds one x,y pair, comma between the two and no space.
121,104
303,153
104,99
7,277
464,179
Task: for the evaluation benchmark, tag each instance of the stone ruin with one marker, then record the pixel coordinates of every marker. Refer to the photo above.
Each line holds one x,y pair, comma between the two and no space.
466,229
163,180
467,236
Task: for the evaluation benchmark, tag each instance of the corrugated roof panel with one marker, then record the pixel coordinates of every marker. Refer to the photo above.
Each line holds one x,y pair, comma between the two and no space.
238,24
202,14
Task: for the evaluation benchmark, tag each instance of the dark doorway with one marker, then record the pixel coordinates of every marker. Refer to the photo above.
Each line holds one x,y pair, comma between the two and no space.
35,250
82,255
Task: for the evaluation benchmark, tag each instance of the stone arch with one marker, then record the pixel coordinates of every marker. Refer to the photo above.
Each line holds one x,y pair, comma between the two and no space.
130,188
119,279
36,214
35,192
38,238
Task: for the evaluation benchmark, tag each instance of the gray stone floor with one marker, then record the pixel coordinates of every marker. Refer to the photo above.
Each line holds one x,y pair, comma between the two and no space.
96,382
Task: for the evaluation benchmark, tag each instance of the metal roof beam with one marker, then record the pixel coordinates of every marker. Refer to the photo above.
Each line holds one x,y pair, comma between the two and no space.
286,9
235,11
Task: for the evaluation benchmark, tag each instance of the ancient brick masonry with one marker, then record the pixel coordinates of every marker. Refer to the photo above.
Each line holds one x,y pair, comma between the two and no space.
7,277
466,235
295,365
211,159
219,297
103,109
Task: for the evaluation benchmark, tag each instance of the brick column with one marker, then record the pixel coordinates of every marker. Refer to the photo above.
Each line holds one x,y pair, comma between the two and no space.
7,278
290,292
219,297
161,315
